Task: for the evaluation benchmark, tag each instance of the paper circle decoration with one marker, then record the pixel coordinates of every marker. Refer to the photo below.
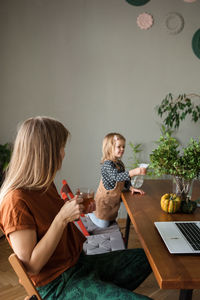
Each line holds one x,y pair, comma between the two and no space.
196,43
174,22
189,1
137,2
145,21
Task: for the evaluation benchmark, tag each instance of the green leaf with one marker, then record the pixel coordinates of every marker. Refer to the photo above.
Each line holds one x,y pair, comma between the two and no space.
174,110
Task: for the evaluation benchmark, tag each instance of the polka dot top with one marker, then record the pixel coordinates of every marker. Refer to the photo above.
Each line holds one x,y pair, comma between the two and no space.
114,172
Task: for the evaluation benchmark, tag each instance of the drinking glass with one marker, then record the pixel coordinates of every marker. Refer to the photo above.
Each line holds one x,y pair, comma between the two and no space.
88,197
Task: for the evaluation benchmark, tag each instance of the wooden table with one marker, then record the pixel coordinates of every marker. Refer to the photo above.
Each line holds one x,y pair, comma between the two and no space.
171,271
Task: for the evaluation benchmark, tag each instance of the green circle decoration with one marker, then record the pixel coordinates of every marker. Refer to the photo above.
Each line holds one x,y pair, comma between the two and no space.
196,43
137,2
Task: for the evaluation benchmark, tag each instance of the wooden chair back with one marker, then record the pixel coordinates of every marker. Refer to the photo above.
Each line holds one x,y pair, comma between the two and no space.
24,278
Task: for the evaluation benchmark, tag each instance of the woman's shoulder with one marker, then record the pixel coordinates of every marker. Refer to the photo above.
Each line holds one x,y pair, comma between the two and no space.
13,197
26,196
19,195
12,204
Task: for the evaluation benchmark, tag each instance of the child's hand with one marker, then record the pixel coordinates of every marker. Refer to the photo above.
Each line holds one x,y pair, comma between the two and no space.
137,171
133,190
143,171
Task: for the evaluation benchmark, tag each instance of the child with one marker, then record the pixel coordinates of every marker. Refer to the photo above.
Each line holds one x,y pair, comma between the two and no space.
114,180
39,225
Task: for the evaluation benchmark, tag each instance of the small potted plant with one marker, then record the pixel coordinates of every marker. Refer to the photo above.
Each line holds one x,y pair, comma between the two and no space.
183,163
5,153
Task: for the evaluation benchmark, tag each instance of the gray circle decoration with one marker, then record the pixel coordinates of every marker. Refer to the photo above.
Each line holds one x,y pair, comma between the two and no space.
174,22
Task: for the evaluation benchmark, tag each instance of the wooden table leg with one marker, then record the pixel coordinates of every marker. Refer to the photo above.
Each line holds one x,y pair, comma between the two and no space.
185,295
127,230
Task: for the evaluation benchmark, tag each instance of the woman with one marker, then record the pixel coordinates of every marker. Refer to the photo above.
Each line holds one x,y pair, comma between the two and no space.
39,225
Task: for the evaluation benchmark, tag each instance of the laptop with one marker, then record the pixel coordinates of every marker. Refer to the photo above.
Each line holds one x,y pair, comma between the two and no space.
180,237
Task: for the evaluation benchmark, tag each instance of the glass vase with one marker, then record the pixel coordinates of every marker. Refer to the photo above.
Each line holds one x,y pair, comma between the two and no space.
182,187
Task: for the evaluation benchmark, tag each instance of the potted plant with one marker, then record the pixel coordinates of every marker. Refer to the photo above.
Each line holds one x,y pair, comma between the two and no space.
175,109
183,163
5,153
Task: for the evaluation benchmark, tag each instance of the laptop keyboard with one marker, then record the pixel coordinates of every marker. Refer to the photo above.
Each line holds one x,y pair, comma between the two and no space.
191,232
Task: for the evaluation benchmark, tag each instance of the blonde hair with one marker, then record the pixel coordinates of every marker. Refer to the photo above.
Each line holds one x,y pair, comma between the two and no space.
36,155
108,146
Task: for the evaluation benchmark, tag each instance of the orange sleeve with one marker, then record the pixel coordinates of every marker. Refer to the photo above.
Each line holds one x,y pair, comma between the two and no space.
15,215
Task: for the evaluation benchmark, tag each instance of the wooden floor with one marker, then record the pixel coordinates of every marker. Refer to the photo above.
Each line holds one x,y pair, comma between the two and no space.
10,289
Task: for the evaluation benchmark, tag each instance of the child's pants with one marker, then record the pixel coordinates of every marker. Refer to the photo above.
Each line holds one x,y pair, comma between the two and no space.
98,222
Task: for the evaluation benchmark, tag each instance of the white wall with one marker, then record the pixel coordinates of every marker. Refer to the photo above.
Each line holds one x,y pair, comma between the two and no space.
87,63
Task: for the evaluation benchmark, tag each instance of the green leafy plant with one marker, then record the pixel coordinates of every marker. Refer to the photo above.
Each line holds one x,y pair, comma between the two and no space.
135,149
175,109
169,158
5,154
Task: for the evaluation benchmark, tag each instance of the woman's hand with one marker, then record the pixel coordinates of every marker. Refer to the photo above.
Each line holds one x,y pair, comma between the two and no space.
133,190
71,210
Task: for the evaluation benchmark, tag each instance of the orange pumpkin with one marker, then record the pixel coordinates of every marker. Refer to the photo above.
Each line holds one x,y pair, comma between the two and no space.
170,203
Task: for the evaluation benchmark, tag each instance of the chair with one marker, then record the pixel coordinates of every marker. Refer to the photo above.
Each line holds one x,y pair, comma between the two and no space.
23,276
66,195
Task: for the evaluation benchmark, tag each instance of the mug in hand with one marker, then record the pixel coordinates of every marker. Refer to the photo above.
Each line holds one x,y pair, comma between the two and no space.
87,195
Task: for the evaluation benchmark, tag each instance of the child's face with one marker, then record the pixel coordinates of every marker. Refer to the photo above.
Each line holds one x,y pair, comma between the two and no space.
119,148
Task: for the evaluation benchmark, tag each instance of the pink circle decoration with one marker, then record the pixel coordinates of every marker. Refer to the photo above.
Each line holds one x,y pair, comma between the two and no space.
189,1
145,21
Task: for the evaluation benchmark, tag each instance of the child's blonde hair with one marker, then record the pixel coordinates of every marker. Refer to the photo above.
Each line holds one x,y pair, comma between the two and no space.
108,147
36,155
